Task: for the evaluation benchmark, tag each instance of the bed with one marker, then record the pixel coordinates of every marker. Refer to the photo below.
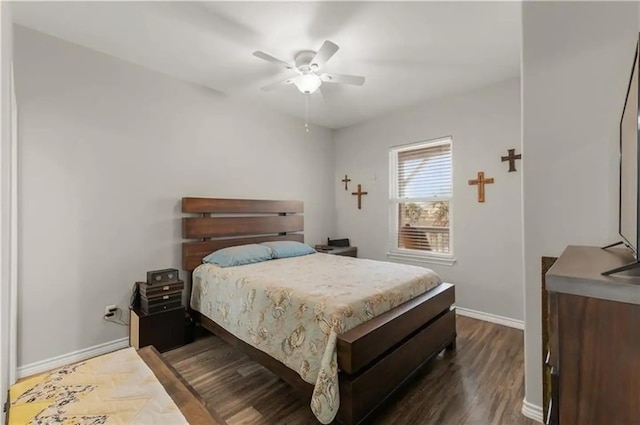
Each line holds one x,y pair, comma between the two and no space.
346,333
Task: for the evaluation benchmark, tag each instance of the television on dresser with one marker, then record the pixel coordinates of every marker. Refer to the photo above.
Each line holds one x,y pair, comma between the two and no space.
629,160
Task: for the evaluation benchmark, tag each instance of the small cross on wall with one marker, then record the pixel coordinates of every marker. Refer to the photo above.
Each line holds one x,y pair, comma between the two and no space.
481,181
359,194
511,157
346,181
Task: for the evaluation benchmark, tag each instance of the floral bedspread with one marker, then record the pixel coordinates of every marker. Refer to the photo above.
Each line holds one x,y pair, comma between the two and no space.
294,308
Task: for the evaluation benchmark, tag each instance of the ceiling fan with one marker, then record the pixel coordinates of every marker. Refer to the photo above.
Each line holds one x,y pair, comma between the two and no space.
307,64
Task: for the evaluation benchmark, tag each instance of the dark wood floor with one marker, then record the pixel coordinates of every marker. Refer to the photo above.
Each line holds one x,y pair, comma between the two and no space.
481,383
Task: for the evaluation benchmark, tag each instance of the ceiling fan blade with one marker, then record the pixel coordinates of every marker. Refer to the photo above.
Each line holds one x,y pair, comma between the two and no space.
356,80
325,53
269,58
277,85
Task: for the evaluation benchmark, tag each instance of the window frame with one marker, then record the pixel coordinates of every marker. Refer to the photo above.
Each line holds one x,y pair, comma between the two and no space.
415,255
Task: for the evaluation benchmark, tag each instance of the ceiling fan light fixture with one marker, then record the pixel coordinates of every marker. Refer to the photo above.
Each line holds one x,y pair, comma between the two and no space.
307,83
308,65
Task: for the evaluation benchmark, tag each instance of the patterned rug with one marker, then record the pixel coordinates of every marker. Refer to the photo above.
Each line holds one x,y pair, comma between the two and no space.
116,388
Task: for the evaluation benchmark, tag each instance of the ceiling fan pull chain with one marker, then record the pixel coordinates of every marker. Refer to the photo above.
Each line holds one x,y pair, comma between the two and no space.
306,112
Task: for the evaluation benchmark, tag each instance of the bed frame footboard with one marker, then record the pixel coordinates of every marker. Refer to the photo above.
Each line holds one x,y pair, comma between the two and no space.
376,358
379,356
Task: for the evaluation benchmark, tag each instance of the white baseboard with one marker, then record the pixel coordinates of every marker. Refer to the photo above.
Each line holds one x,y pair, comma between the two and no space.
532,411
73,357
493,318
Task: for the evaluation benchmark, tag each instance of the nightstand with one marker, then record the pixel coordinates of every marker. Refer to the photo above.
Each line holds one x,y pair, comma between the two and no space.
164,330
346,251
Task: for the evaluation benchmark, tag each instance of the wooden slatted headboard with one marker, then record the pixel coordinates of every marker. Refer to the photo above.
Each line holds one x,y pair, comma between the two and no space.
222,223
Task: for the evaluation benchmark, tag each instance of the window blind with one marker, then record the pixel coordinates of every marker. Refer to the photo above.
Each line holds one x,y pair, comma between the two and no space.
421,199
425,172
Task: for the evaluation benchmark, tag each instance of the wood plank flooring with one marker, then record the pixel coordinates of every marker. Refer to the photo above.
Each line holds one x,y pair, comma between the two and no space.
481,383
190,404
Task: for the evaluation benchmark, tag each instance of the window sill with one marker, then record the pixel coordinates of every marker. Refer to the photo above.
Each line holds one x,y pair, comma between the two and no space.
440,260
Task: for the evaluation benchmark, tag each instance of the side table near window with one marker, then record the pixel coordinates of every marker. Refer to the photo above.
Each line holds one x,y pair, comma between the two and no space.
345,251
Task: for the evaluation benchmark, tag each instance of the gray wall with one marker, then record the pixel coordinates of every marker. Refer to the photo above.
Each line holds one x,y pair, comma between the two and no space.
487,238
577,60
107,149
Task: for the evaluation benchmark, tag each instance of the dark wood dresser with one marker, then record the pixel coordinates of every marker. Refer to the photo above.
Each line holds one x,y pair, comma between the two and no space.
594,340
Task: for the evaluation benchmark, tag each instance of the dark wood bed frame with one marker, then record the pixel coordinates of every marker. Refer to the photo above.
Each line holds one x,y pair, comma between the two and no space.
375,358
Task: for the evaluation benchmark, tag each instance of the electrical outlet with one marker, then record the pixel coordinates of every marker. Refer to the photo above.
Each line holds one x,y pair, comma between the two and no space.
110,311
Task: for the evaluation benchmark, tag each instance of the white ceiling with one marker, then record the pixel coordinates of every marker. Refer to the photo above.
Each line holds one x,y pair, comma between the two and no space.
409,52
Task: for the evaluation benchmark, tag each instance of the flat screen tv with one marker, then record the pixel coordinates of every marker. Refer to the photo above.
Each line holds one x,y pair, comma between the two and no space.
629,140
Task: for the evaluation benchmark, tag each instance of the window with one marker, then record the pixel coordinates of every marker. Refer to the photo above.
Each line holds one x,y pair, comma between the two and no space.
421,201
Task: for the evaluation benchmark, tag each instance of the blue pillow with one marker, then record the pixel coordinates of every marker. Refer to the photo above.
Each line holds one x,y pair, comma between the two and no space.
285,249
239,255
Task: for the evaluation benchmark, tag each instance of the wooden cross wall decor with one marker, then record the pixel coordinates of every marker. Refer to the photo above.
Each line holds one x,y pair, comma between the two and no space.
359,193
481,181
511,157
346,181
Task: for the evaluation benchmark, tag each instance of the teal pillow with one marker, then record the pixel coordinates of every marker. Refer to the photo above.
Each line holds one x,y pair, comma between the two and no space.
239,255
285,249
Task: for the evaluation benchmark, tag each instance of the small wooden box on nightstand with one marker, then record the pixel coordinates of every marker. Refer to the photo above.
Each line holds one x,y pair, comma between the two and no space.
164,330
